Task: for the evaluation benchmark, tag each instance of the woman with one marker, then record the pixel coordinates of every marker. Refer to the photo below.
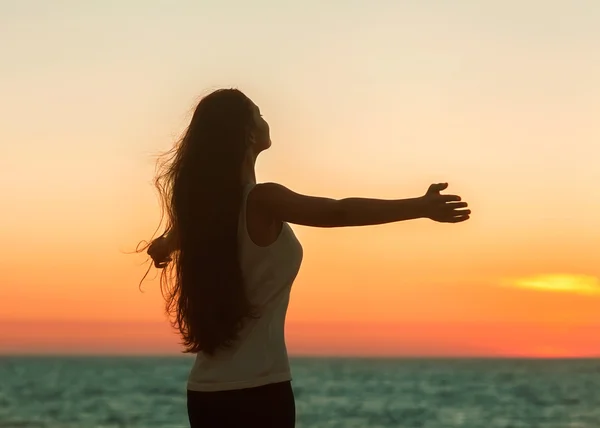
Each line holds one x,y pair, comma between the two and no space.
235,258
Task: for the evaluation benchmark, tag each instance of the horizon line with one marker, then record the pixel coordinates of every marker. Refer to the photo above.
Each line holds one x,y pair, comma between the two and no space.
298,356
319,323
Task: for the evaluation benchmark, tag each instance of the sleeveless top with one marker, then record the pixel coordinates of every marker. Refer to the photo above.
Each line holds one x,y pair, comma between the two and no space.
259,357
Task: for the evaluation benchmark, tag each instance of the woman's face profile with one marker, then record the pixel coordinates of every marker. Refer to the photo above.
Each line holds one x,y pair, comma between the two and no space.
262,135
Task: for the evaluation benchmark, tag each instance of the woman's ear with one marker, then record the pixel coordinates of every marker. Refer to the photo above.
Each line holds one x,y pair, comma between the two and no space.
251,138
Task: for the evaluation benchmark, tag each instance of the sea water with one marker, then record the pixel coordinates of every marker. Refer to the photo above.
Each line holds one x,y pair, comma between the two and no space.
136,392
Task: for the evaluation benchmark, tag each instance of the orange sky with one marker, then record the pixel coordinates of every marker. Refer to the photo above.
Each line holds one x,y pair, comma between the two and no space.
500,101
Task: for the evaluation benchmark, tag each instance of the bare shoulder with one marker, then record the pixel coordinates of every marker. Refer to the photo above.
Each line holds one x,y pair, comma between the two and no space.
268,193
282,204
265,197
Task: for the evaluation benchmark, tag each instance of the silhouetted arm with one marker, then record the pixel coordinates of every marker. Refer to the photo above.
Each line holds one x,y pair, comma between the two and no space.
282,204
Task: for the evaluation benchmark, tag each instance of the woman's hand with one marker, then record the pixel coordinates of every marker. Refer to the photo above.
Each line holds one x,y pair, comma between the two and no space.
160,251
444,208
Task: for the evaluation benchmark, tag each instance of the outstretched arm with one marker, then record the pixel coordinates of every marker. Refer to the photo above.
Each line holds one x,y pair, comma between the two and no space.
282,204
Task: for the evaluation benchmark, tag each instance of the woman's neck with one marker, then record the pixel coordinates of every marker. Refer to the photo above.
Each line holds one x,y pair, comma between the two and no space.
248,175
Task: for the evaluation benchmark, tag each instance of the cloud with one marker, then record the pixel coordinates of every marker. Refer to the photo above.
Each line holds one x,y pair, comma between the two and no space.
578,284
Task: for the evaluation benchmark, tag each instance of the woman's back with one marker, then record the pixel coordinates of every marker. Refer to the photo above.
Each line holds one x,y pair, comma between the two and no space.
259,357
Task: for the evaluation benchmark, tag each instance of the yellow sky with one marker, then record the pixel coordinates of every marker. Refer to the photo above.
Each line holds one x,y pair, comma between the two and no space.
500,99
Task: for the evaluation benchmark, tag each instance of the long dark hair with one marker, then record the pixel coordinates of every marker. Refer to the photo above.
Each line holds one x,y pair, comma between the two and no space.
199,183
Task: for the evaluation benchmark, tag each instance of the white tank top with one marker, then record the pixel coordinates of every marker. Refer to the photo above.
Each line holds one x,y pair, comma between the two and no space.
259,357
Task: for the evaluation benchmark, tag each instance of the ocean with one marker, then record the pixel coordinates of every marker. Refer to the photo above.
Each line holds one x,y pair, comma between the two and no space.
136,392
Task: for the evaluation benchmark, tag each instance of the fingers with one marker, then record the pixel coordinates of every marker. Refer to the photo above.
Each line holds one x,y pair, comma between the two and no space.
458,219
161,264
464,216
454,215
438,187
456,205
450,198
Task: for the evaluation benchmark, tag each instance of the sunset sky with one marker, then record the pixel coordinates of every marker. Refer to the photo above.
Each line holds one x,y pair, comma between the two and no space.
365,98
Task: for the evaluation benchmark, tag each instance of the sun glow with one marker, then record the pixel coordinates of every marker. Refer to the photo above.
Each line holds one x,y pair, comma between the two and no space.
579,284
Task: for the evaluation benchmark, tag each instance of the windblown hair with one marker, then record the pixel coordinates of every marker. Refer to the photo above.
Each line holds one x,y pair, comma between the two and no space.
199,182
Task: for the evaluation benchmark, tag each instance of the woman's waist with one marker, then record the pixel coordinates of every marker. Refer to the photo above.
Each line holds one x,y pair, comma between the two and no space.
247,362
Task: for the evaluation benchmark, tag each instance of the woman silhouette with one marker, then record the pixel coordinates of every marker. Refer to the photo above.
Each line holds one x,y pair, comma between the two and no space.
233,259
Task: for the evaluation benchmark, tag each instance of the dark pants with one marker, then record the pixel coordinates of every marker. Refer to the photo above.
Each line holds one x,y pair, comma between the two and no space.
269,406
